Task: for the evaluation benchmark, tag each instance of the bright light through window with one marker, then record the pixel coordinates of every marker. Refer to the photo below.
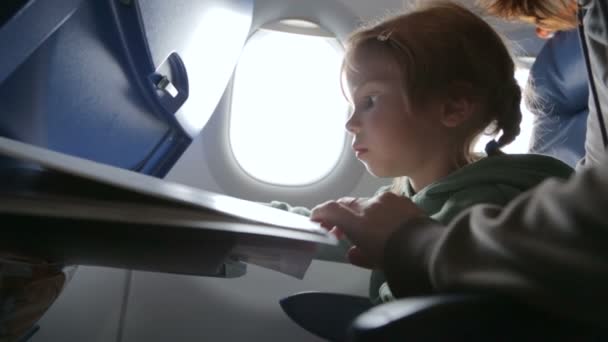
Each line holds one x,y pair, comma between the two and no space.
522,142
288,112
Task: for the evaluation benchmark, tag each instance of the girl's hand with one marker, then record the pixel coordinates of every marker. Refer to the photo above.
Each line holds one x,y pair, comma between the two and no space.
355,204
367,222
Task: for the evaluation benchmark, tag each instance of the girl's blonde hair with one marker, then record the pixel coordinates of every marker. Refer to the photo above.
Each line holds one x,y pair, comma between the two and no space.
437,46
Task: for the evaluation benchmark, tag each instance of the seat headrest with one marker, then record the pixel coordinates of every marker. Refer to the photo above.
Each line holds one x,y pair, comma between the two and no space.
559,76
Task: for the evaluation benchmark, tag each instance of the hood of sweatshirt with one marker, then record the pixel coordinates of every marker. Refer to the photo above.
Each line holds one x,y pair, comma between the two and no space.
494,180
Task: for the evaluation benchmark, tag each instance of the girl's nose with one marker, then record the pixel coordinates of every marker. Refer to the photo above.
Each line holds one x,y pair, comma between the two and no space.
353,125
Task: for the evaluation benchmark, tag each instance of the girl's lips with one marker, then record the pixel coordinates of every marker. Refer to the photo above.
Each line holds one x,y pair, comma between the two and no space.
360,151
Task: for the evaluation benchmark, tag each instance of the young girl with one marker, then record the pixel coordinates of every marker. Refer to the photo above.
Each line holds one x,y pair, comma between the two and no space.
424,86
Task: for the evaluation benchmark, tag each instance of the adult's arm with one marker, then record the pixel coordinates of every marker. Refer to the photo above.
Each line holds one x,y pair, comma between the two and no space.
549,246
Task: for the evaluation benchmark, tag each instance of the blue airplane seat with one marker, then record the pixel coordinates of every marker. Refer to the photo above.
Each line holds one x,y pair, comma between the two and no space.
560,80
122,82
126,83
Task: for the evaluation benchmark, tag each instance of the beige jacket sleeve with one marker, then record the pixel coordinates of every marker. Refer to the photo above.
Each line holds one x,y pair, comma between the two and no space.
549,246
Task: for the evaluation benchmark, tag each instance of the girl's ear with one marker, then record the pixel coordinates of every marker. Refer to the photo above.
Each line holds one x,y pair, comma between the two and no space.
459,105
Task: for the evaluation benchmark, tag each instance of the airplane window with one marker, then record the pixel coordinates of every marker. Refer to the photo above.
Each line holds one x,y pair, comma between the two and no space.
288,112
522,142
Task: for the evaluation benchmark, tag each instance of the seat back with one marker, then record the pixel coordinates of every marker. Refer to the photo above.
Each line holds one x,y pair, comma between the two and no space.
121,82
467,317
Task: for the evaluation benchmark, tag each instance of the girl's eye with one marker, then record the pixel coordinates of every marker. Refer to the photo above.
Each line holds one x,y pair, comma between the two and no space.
368,101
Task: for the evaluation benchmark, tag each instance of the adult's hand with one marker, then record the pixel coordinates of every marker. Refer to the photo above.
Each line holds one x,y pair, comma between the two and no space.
368,223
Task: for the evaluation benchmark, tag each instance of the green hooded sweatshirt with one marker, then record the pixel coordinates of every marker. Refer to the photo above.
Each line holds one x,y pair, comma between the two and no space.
493,180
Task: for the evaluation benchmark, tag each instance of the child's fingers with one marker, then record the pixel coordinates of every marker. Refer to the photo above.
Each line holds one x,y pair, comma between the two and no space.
353,203
338,233
347,200
334,214
326,226
351,223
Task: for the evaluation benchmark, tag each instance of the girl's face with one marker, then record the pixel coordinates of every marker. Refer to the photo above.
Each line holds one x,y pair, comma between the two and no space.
390,137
